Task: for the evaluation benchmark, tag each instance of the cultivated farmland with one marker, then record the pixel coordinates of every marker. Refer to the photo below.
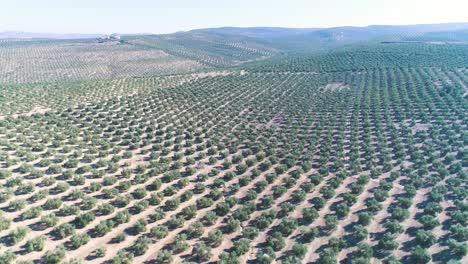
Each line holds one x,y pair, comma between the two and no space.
211,150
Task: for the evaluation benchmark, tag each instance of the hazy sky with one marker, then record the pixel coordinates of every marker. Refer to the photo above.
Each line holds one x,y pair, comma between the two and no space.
156,16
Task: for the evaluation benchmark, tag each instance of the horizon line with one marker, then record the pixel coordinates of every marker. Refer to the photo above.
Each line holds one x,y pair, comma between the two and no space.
216,27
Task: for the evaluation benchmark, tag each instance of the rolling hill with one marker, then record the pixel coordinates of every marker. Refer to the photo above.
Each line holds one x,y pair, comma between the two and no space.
293,39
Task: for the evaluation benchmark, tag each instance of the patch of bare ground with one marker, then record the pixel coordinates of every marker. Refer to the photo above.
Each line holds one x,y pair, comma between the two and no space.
438,84
276,120
216,73
335,86
438,42
200,75
420,127
297,73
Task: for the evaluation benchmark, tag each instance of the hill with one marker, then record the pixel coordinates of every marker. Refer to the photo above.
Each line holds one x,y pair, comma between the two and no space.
293,39
53,60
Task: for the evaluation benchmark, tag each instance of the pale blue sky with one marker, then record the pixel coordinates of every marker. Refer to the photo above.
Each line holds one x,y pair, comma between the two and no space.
156,16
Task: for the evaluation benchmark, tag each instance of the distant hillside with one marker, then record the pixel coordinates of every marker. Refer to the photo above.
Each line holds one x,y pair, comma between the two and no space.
312,38
292,39
207,48
440,36
266,33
